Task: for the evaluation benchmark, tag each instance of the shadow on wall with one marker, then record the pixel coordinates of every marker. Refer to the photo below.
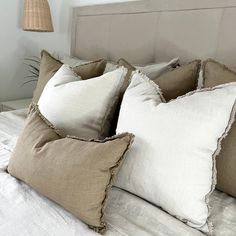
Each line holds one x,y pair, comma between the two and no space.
19,17
17,44
14,71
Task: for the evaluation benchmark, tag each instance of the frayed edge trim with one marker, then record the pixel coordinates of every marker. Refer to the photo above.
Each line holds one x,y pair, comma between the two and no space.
145,78
34,108
113,170
214,170
210,60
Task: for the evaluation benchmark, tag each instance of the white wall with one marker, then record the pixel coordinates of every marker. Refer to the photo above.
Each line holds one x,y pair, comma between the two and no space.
16,44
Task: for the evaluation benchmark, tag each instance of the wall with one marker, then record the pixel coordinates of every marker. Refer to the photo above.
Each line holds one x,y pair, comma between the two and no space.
16,44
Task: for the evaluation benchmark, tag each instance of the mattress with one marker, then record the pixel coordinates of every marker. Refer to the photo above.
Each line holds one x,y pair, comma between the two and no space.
24,212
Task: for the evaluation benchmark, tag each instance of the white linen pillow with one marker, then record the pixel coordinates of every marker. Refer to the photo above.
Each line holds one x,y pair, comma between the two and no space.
152,71
82,108
172,160
73,61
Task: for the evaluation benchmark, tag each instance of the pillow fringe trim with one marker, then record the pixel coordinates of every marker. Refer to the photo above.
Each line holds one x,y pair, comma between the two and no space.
113,171
214,170
34,108
145,78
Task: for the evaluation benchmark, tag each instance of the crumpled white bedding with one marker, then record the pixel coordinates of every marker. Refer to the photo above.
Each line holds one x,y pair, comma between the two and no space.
23,212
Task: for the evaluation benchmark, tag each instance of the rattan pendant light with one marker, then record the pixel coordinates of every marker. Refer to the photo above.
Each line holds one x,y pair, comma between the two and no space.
37,16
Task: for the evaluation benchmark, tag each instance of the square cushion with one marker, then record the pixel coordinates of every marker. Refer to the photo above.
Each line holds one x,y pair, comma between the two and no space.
75,173
214,74
179,81
49,66
83,108
172,161
175,82
74,61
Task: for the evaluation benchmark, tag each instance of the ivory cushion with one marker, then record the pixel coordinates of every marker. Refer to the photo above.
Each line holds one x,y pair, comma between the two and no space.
172,160
82,108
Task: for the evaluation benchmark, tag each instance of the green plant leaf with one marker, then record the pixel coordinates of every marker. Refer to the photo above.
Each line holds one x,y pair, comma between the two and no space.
30,76
29,81
33,72
32,60
32,67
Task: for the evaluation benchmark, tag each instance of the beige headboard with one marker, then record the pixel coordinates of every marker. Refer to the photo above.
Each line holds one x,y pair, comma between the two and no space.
147,31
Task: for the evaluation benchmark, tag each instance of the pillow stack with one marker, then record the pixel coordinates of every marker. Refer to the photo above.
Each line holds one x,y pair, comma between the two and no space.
171,162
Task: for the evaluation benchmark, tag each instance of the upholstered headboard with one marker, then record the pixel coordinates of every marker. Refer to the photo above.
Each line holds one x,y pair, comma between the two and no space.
147,31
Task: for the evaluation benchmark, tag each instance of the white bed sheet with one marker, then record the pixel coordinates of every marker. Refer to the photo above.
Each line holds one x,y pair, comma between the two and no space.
23,212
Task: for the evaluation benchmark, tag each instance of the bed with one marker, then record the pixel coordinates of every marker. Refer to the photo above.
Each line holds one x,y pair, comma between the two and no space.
113,31
127,214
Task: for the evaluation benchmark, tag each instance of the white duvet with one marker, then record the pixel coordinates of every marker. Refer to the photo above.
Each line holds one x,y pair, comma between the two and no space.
23,212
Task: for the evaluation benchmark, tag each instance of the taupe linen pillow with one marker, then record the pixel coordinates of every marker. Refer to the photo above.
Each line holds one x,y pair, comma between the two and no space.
175,83
75,173
214,74
179,81
49,66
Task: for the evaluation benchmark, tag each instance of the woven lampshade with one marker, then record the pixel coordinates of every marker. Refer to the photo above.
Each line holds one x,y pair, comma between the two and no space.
37,16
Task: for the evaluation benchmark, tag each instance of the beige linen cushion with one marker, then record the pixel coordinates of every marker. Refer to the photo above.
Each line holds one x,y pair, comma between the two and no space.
180,81
173,83
75,173
49,66
214,74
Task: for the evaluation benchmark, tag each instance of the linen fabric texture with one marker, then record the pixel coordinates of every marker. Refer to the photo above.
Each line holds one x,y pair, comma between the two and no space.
83,108
172,160
179,81
50,65
215,73
173,82
77,174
